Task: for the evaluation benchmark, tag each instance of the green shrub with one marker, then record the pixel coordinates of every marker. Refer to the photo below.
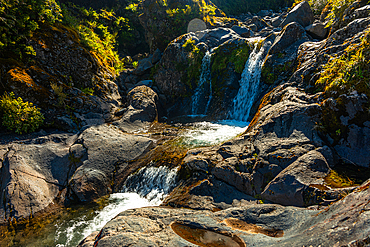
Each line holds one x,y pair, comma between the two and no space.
22,117
88,91
19,20
99,31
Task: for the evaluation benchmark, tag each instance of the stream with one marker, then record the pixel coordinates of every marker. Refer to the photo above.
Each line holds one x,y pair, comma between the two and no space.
150,185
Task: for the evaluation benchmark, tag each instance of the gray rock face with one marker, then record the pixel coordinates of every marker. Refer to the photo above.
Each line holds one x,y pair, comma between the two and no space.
143,66
301,14
243,31
356,147
178,71
37,173
317,30
292,33
107,150
345,222
291,185
33,174
279,143
276,21
142,109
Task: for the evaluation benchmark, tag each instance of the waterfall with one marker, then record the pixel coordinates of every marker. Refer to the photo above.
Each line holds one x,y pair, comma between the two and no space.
153,183
199,106
249,85
147,187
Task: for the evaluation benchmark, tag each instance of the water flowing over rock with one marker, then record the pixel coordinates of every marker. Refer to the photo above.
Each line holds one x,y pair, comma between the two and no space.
344,222
153,183
249,84
147,187
202,97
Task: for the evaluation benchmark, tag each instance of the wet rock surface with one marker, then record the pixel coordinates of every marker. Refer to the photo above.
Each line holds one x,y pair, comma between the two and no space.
58,168
344,223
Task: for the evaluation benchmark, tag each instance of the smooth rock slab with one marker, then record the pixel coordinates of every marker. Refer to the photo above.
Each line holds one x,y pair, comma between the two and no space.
343,222
33,174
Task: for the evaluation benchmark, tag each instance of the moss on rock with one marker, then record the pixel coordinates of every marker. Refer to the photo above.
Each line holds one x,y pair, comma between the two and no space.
230,56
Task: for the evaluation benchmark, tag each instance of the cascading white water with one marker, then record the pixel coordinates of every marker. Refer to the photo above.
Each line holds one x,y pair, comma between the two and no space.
198,106
249,85
147,187
153,183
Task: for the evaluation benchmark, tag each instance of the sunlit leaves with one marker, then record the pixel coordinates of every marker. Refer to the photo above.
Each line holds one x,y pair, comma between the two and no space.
19,116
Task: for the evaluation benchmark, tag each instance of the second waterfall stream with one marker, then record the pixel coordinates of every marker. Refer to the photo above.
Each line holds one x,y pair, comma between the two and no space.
249,84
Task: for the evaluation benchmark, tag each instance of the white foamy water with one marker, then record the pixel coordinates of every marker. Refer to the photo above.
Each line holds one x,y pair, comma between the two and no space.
249,85
201,98
207,133
147,187
152,183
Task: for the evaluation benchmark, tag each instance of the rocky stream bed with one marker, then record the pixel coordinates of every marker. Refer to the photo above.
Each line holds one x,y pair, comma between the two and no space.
237,157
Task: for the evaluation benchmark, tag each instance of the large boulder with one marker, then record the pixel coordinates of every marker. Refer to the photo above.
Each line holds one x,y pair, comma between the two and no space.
317,30
301,14
292,33
108,150
292,185
281,60
179,70
142,109
33,173
61,168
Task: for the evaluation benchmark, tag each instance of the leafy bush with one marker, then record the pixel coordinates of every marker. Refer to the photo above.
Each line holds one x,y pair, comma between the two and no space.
88,91
19,19
22,117
98,32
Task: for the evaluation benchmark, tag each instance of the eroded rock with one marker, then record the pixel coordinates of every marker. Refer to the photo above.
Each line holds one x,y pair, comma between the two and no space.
301,14
343,222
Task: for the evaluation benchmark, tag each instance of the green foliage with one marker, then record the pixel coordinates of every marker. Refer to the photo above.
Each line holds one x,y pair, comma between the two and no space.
88,91
342,75
19,19
58,90
135,64
336,8
350,71
98,32
195,57
232,56
170,20
22,117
